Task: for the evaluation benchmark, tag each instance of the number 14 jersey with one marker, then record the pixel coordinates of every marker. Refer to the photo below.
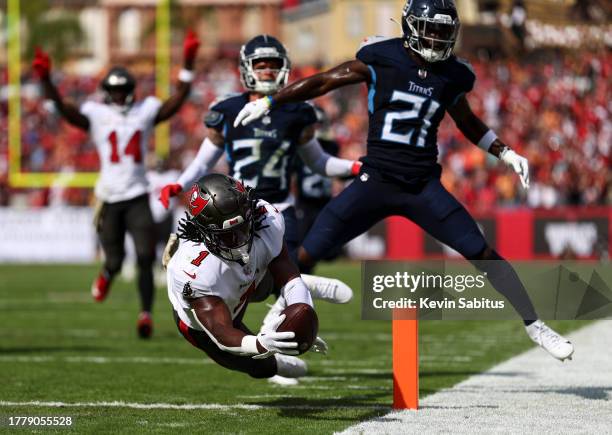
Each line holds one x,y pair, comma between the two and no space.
121,140
406,103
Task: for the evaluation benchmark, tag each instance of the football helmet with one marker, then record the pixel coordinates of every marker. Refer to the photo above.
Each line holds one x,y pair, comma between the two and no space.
430,28
222,215
258,48
119,80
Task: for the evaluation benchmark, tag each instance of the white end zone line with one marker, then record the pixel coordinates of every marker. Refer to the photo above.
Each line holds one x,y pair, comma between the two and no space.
529,393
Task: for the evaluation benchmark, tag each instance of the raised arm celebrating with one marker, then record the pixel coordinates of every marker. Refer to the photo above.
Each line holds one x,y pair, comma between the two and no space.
41,65
314,86
174,103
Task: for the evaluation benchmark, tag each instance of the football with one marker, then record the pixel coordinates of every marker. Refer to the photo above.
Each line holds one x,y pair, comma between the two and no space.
301,319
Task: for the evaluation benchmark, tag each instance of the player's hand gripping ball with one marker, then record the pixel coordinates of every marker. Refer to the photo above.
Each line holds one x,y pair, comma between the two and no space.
303,321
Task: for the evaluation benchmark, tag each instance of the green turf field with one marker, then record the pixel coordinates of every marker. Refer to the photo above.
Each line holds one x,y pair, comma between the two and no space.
56,345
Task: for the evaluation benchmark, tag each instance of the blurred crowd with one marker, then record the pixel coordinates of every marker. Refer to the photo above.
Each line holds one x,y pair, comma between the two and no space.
556,110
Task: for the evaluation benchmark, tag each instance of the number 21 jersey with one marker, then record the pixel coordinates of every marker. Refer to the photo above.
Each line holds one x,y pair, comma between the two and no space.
406,103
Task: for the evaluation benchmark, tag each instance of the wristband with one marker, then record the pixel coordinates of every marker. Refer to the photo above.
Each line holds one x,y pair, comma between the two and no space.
356,167
270,100
249,345
487,140
185,75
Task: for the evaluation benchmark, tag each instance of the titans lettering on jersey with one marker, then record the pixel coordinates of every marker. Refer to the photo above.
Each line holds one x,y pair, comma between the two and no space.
406,104
261,153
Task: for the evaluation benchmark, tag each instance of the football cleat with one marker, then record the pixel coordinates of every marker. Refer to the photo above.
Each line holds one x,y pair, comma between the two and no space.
288,366
100,287
328,289
145,325
552,342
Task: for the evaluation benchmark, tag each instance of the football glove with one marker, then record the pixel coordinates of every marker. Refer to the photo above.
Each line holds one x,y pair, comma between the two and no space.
276,342
41,64
253,110
518,163
167,192
319,346
171,247
190,45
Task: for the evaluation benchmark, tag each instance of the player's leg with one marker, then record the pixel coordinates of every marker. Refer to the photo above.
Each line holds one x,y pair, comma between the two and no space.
139,222
441,215
111,232
282,365
346,216
291,232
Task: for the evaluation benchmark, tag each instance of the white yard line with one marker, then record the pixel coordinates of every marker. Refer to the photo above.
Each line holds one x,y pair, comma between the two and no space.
171,406
530,393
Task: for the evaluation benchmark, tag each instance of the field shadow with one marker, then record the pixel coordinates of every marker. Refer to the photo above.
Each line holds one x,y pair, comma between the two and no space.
315,408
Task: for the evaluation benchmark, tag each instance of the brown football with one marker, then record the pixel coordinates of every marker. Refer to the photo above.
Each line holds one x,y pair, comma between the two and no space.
301,319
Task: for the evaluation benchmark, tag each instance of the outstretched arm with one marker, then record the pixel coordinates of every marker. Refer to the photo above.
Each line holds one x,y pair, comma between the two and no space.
42,69
314,86
479,134
174,103
214,317
287,275
208,155
320,162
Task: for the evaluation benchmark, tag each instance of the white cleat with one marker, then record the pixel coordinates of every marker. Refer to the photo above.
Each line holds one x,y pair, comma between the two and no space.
285,382
328,289
288,366
549,340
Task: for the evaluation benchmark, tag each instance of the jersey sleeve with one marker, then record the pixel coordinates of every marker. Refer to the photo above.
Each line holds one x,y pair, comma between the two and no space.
150,108
273,229
88,109
465,77
365,52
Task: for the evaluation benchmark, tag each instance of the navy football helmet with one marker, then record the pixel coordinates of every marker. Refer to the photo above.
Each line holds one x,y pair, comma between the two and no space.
259,48
430,28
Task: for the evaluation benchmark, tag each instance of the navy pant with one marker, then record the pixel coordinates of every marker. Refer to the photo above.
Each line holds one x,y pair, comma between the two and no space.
373,197
291,233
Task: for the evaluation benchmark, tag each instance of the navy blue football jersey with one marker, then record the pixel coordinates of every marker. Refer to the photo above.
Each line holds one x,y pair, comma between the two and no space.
261,153
406,104
313,186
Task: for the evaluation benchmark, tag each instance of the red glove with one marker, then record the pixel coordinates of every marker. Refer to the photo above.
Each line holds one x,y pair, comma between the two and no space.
190,45
356,167
167,192
41,63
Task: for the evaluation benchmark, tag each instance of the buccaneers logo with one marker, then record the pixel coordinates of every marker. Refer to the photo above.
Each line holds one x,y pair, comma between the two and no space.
197,203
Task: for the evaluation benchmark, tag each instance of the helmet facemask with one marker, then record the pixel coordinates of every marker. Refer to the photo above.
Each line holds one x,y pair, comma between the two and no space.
432,38
229,237
250,76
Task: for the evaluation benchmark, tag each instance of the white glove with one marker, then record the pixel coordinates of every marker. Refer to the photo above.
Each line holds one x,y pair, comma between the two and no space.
275,342
252,111
170,249
319,346
518,163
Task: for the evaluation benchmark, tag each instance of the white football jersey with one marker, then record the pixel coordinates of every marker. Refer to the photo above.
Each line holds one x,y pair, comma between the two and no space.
121,140
193,272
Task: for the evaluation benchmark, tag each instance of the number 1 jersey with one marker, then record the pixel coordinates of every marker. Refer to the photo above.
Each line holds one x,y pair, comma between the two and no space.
406,103
121,140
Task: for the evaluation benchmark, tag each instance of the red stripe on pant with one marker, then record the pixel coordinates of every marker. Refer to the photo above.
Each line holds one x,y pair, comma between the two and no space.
185,331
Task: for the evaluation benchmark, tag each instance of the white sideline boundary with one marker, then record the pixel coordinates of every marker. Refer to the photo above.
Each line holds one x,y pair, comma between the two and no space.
529,393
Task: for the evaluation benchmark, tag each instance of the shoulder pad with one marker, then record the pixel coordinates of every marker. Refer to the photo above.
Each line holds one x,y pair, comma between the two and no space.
222,98
373,40
467,64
